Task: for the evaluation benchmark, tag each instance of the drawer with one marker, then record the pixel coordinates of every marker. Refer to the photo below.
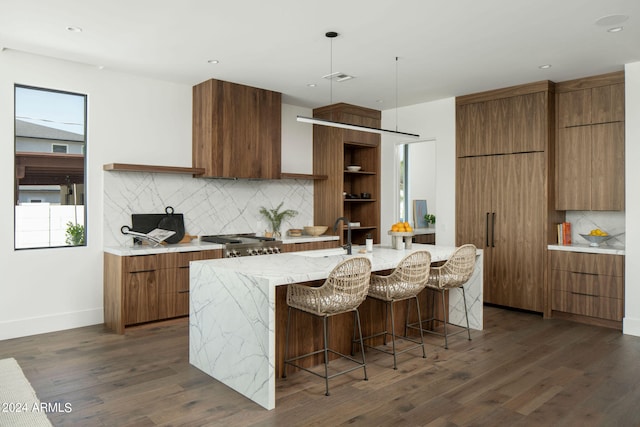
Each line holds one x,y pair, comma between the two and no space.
588,305
610,265
140,263
588,283
178,259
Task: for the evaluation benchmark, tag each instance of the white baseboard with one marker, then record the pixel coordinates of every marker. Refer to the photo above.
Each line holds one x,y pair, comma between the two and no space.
631,326
55,322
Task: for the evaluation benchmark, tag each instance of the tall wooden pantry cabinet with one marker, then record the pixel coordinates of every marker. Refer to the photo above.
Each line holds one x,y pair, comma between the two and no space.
504,191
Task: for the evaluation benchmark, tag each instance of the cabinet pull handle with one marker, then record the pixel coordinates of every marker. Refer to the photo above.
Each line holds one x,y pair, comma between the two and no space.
585,294
486,231
493,230
585,273
184,266
142,271
184,292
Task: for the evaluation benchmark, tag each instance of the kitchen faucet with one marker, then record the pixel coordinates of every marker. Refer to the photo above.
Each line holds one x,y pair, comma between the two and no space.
335,228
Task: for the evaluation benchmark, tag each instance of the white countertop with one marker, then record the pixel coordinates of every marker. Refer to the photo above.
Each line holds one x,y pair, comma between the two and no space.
604,249
296,267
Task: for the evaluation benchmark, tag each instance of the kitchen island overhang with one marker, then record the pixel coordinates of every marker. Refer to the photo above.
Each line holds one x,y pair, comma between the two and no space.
232,323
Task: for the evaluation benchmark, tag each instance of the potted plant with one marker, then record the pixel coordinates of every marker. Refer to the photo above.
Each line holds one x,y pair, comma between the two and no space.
276,216
74,234
430,219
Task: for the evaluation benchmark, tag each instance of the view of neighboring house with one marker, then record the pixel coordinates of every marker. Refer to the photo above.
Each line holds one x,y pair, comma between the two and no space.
50,179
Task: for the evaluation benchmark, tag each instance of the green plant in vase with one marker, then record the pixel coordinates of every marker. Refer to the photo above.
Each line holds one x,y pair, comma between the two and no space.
74,234
430,219
276,216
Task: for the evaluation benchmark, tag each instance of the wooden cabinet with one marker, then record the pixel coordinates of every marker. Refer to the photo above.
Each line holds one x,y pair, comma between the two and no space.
145,288
308,246
590,149
503,202
500,208
236,130
427,239
588,287
501,126
333,150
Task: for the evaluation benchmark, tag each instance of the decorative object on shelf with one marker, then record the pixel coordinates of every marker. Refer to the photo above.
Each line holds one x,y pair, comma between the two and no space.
430,219
354,168
315,230
331,35
365,195
276,216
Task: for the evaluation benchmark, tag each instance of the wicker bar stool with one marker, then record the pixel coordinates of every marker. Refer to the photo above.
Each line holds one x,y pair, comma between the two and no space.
454,273
406,281
343,291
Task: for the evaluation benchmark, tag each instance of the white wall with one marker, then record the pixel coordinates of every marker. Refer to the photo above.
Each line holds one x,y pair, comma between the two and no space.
631,324
429,120
297,140
130,120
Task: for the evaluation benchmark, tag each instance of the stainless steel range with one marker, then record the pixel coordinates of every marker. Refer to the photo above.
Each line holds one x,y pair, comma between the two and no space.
237,245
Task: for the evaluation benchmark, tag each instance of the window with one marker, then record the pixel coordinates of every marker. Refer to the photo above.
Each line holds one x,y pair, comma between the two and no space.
416,178
50,142
59,148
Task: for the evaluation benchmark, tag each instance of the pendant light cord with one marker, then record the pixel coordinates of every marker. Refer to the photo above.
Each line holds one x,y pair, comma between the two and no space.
331,72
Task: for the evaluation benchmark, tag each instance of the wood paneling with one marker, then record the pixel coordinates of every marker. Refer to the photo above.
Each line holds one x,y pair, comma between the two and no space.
236,130
588,285
309,246
573,168
503,201
607,167
147,288
333,150
574,108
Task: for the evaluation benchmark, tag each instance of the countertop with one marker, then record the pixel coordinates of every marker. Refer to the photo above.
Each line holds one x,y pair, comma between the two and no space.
604,249
312,265
196,245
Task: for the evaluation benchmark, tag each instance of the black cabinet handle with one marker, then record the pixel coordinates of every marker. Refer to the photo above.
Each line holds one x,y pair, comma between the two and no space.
142,271
486,231
184,292
493,230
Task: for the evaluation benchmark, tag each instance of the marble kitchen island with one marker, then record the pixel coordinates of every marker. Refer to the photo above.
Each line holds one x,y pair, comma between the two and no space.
232,323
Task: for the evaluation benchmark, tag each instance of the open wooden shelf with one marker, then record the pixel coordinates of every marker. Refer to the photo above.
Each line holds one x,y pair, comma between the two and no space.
128,167
285,175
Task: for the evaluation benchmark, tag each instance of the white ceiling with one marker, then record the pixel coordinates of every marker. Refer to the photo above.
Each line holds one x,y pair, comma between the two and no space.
445,48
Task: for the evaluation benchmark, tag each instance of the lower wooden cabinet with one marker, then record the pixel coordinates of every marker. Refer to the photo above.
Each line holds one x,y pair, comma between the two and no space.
427,239
588,287
309,246
145,288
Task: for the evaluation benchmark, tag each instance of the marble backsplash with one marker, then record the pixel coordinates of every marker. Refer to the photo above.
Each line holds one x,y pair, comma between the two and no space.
582,222
209,206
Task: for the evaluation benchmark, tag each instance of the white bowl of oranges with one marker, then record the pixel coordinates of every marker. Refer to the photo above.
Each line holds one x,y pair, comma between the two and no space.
596,236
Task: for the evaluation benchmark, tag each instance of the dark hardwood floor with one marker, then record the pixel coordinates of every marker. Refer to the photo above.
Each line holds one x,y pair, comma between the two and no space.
520,371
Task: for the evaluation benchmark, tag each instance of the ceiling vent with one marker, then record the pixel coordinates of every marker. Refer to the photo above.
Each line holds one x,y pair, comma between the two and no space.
338,77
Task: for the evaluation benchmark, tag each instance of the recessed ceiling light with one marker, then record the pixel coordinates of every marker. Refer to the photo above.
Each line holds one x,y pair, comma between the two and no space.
615,29
74,29
213,61
545,66
609,20
311,85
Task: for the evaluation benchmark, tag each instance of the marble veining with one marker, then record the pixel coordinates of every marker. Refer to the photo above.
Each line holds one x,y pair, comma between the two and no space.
209,206
232,310
612,222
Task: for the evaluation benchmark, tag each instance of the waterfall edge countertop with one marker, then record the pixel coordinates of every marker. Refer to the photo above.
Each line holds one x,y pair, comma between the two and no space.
232,309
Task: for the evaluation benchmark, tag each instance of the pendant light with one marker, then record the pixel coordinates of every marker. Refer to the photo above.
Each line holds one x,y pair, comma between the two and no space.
331,35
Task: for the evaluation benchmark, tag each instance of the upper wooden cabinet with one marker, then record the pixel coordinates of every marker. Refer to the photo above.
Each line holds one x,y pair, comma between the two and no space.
502,122
236,130
591,100
333,150
590,144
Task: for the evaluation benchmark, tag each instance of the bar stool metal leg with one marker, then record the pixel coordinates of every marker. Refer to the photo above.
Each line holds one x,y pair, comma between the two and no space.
466,315
286,344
